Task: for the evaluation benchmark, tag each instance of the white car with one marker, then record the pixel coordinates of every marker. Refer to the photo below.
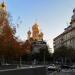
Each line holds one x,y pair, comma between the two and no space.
52,68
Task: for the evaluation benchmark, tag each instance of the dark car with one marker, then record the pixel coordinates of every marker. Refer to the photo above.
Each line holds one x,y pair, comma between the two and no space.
65,67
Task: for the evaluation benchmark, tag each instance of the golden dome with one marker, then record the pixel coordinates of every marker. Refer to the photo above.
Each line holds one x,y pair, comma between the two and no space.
36,27
41,34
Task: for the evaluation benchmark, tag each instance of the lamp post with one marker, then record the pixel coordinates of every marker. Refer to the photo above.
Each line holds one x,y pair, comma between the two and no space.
20,61
44,56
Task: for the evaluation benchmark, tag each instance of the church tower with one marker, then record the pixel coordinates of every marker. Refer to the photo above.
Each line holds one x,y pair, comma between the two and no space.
29,34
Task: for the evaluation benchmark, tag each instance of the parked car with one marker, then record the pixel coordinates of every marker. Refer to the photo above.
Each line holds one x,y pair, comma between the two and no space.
53,68
65,67
73,66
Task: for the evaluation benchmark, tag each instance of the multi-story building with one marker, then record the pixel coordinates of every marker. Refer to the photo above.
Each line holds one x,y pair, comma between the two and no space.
67,38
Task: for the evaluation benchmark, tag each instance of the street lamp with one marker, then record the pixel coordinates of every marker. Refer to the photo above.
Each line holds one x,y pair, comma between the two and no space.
44,56
20,61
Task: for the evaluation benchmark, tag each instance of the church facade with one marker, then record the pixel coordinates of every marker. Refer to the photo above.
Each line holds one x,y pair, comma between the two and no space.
67,38
36,39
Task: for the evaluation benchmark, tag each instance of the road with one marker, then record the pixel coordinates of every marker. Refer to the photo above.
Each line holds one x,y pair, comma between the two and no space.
65,73
62,73
29,70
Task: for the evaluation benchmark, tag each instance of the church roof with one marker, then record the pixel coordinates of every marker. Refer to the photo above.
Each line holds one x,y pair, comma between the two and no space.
36,27
29,32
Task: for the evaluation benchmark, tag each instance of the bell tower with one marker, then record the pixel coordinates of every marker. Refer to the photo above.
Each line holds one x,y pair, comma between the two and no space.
29,34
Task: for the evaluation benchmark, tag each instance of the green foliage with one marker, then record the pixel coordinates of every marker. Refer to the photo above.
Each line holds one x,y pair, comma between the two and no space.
67,54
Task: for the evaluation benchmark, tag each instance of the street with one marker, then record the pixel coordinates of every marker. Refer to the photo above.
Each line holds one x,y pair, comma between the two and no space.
31,70
62,73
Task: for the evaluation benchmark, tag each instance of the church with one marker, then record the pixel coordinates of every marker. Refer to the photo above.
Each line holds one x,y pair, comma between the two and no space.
34,41
36,33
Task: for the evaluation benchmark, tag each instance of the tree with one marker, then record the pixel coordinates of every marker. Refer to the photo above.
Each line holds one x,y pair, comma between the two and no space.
64,54
26,51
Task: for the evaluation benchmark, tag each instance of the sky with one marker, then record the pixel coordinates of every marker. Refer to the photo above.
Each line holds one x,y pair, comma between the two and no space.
52,16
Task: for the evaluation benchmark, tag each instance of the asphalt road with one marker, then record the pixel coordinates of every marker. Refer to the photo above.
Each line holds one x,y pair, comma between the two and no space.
30,70
65,73
62,73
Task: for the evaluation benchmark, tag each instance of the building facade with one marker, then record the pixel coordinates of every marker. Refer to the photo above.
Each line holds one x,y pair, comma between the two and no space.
67,38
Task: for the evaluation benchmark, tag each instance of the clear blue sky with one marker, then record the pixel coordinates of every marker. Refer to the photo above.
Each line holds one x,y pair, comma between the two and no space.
52,15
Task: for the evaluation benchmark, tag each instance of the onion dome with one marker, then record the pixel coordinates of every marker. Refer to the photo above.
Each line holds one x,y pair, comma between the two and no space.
36,27
41,34
29,32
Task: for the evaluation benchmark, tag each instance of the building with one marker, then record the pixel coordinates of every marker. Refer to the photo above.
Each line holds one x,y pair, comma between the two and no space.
67,38
36,33
34,40
37,45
